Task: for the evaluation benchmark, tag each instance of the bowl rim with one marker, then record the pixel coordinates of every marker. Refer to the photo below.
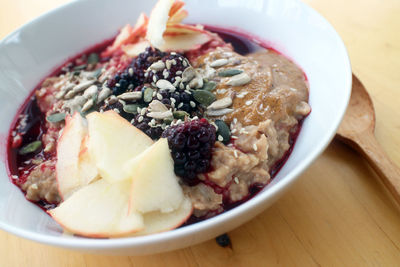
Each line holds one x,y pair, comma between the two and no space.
257,200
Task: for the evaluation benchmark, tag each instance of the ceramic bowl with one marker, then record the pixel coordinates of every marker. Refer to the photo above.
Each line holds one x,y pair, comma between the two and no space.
30,53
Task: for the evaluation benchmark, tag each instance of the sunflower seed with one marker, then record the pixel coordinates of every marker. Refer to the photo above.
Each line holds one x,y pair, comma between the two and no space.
159,65
218,112
164,84
219,63
160,115
188,74
204,97
220,104
104,93
157,106
229,72
82,86
240,79
87,105
90,92
131,96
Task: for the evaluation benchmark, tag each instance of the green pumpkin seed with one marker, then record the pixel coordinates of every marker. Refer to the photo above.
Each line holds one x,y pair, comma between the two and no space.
96,74
56,117
167,121
131,108
229,72
223,130
209,86
93,59
30,148
148,95
80,67
204,97
180,114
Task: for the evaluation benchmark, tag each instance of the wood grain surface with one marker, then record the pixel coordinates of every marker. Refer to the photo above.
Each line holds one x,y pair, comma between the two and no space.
336,214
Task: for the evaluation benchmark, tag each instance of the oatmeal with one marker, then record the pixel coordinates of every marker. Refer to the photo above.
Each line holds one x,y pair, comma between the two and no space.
206,125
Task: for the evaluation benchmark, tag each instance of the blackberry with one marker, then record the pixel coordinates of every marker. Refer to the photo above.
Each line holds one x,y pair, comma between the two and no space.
118,106
174,67
134,74
191,144
142,123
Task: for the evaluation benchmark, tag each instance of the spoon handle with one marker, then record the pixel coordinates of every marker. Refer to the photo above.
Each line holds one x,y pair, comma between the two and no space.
380,162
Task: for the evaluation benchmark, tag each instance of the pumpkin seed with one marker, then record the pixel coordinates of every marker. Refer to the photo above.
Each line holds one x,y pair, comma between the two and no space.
80,67
223,130
131,108
56,117
204,97
96,74
209,86
148,95
229,72
30,148
180,114
93,59
168,121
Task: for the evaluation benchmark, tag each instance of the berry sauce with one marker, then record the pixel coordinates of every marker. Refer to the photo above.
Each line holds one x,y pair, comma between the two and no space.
35,124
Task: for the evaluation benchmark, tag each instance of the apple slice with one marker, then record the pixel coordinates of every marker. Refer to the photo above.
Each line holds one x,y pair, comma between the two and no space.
128,35
155,222
177,13
133,50
99,209
112,142
155,186
158,22
68,149
176,29
184,42
87,170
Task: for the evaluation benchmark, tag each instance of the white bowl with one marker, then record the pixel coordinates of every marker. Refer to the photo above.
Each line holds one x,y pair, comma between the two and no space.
31,52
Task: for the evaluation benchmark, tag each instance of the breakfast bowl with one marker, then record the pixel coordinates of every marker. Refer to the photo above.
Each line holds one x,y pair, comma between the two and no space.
32,52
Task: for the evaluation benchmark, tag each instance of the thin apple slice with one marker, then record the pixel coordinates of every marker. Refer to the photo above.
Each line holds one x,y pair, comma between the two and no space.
128,35
184,42
155,186
177,13
68,149
133,50
112,142
176,29
87,170
156,222
99,209
158,22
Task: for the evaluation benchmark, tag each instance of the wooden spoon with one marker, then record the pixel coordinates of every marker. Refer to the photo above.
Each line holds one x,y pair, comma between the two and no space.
357,130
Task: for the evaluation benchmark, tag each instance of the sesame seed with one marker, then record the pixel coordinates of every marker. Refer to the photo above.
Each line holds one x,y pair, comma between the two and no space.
173,100
179,72
195,118
192,104
154,78
154,93
174,62
159,96
133,121
261,106
234,120
180,105
234,137
143,111
182,86
140,119
187,87
117,85
173,53
139,110
220,138
255,147
233,130
249,102
153,121
235,153
184,63
130,70
188,91
236,180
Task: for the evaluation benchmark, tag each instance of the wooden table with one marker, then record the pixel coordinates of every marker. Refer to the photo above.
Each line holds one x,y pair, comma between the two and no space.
337,214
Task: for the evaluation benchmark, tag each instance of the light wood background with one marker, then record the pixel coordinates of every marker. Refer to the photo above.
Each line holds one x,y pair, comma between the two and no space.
337,214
